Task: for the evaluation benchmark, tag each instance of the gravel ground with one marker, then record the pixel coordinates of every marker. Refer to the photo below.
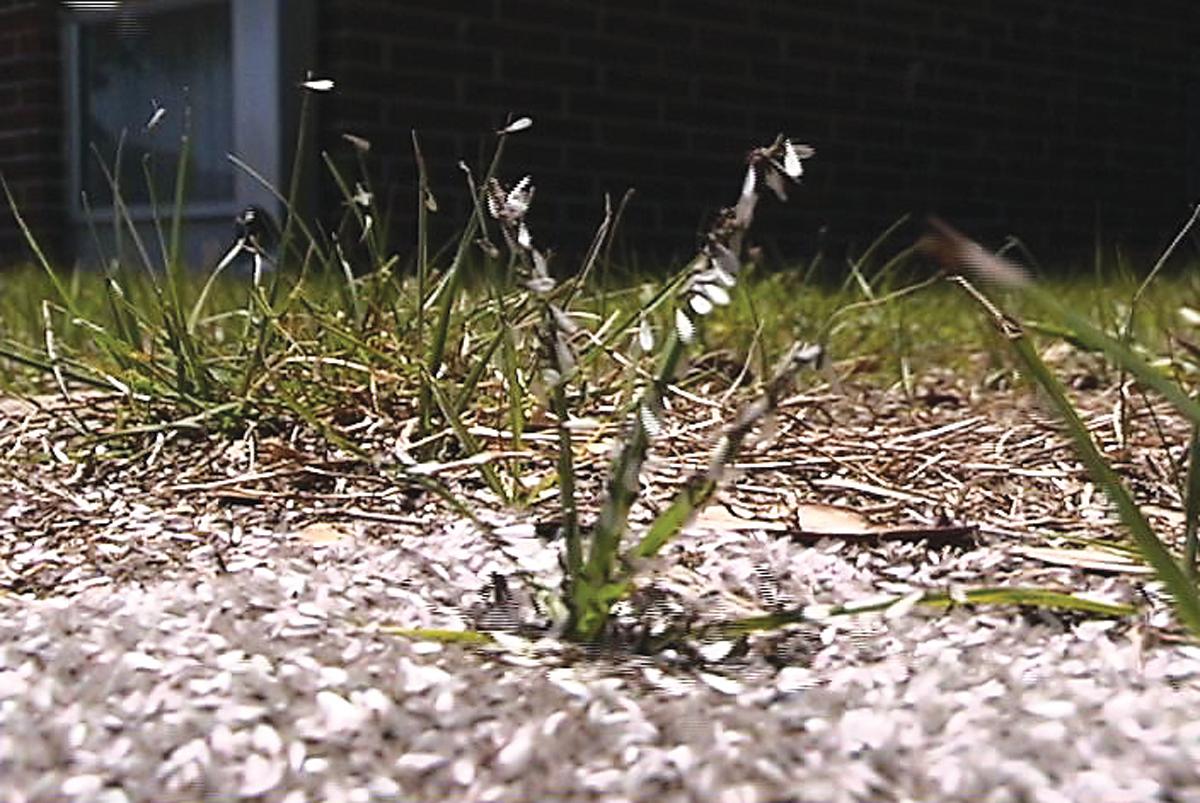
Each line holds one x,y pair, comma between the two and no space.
162,645
274,682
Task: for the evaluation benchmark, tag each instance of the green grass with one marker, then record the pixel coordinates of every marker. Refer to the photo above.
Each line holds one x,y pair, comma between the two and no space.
928,330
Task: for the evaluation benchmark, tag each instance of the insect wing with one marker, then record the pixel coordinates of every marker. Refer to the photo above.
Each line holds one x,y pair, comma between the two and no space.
519,124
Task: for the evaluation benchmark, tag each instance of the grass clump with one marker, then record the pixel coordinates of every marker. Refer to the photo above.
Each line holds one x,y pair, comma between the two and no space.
319,320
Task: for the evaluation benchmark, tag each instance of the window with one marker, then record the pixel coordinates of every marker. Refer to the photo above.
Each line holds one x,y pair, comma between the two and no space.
178,61
231,66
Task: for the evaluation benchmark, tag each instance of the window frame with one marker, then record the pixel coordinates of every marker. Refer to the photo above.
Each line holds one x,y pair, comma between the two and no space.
258,55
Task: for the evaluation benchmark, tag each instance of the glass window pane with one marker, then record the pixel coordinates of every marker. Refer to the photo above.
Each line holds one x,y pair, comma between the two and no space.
178,58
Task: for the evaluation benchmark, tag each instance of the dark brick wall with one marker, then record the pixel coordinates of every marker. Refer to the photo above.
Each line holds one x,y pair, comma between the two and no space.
1055,120
1050,120
31,126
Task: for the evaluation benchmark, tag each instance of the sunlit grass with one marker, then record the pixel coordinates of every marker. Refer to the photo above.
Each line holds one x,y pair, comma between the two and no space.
929,330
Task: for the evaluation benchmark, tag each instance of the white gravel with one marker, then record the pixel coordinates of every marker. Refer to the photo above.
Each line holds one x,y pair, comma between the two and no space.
273,682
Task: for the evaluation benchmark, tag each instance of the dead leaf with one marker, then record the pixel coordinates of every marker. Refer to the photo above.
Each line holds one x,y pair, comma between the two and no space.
816,521
324,532
717,518
1098,560
771,512
832,520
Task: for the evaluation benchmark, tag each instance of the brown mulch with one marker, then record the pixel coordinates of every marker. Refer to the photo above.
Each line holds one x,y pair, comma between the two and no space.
985,465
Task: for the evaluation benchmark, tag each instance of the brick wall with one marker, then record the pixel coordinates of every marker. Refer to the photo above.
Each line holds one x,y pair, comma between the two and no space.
31,126
1050,120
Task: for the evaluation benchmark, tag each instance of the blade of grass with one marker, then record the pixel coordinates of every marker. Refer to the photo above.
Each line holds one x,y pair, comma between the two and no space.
1153,551
130,320
350,202
954,249
9,353
511,373
603,232
606,263
470,384
314,242
447,294
155,217
435,634
177,211
860,263
292,220
1126,331
192,378
1192,505
423,202
1026,597
117,348
196,422
202,299
467,440
36,248
56,371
